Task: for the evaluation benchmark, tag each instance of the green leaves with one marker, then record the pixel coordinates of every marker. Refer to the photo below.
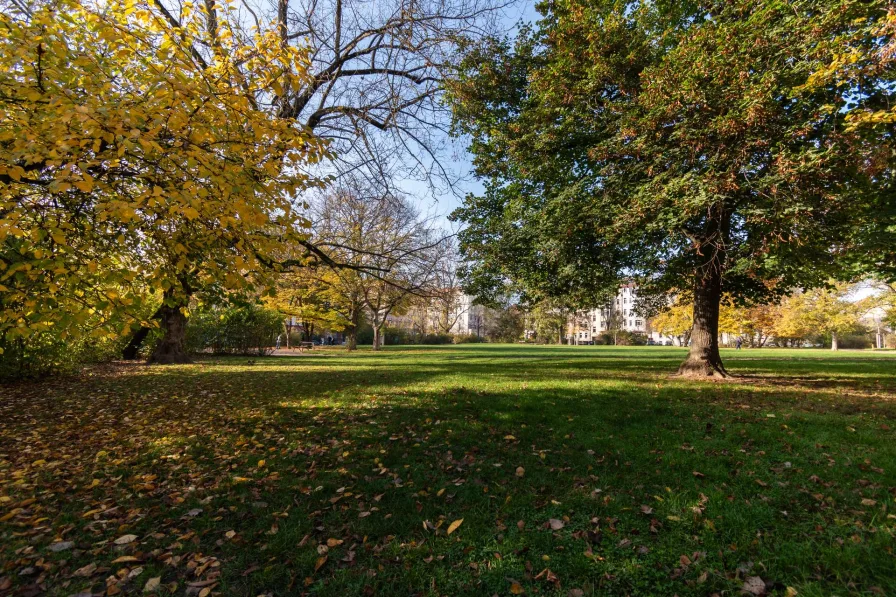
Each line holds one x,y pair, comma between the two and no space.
660,142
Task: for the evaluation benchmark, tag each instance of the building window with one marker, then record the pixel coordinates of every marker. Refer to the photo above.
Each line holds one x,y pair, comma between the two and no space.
638,322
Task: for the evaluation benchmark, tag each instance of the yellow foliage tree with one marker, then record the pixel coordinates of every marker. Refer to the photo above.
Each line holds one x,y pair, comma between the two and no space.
821,311
675,321
310,297
138,158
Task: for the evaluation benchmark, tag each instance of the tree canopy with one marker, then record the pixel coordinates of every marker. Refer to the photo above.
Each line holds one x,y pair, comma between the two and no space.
718,147
131,165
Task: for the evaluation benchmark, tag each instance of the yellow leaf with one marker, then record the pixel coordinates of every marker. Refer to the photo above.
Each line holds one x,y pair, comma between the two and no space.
516,588
453,526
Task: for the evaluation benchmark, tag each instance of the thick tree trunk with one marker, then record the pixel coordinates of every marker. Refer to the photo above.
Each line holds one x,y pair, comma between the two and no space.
171,349
704,359
351,340
833,341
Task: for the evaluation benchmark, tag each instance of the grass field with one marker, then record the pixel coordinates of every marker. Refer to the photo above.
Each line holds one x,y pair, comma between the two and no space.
571,468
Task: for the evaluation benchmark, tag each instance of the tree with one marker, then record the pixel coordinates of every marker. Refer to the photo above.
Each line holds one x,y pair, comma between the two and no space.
307,296
672,143
505,324
758,323
549,320
446,296
132,167
675,321
387,251
376,73
820,311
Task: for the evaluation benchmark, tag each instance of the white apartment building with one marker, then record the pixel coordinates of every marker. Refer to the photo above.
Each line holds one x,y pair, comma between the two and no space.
469,317
619,313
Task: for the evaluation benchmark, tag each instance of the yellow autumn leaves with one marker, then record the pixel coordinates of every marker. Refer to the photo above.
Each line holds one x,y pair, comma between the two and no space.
139,156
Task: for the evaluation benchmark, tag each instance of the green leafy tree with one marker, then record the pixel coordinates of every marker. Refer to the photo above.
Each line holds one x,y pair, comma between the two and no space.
505,325
692,145
549,320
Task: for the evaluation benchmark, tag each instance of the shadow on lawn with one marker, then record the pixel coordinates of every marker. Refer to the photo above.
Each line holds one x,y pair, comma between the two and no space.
290,452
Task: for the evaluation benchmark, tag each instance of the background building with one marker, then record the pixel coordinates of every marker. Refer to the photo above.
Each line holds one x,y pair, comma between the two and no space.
620,314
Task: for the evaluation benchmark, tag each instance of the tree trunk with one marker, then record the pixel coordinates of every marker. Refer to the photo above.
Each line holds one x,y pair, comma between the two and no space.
833,340
376,337
704,359
170,348
351,340
130,351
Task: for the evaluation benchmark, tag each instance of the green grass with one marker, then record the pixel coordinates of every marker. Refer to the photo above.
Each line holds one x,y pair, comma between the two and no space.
383,451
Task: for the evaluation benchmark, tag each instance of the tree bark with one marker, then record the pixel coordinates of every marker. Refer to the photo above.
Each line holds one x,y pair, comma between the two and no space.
171,348
376,337
834,341
133,347
704,359
351,340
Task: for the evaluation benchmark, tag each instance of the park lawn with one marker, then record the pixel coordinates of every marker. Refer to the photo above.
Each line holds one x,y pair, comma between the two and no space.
554,468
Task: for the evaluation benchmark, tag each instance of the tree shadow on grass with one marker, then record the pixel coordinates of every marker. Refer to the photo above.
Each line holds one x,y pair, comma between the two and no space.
287,449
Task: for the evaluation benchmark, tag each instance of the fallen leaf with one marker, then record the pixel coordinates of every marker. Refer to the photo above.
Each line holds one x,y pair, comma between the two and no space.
868,502
85,571
646,509
698,475
320,562
555,524
520,471
453,526
152,584
516,588
62,546
754,585
125,539
334,542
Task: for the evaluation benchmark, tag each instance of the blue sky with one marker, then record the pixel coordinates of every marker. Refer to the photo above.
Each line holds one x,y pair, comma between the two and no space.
522,12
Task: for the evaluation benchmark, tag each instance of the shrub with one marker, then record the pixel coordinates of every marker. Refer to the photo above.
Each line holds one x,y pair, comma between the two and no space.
467,339
854,341
244,330
46,353
437,339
